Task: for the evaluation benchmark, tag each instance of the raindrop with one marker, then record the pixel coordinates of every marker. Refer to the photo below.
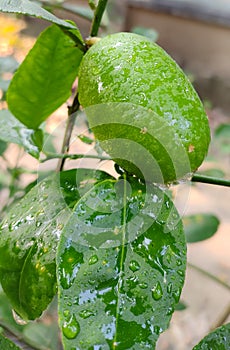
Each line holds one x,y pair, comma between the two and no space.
157,292
169,288
71,328
143,285
86,313
176,295
93,259
134,265
158,330
18,319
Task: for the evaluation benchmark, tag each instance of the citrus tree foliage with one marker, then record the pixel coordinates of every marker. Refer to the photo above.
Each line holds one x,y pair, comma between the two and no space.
112,248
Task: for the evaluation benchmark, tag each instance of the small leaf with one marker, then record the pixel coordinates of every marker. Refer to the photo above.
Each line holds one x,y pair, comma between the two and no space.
13,131
44,80
217,340
26,7
149,33
7,344
200,227
121,266
29,236
86,139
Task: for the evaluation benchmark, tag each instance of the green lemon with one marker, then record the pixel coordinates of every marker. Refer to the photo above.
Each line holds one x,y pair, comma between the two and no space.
143,109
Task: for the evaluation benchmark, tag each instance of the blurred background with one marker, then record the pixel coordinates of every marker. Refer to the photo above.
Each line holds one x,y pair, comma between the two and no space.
196,33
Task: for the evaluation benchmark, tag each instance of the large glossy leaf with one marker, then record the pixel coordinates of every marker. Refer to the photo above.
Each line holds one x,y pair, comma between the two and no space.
200,227
217,340
13,131
7,344
121,266
27,7
29,236
44,80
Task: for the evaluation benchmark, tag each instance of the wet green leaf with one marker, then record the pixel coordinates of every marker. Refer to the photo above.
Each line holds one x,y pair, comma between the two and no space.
121,266
26,7
217,340
44,80
29,236
199,227
13,131
7,344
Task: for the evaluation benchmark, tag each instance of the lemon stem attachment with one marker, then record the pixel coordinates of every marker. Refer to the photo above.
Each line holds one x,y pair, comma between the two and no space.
100,9
210,180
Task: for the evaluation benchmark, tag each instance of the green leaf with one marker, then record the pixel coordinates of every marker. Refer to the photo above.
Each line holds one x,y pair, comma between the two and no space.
121,266
7,344
13,131
149,33
26,7
217,340
199,227
29,236
44,80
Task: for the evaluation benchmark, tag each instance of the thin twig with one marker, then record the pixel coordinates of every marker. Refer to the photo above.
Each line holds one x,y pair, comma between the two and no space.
72,115
98,17
210,180
210,275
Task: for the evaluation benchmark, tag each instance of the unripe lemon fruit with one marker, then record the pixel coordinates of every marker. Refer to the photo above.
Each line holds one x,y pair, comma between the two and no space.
142,108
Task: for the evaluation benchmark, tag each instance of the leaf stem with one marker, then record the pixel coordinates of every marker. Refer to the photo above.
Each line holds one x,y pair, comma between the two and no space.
210,180
209,275
98,17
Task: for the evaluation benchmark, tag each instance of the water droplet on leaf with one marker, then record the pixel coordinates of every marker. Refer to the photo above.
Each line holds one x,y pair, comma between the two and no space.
71,328
134,265
157,292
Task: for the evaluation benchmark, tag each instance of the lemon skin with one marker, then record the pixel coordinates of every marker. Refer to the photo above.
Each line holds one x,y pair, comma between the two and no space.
129,68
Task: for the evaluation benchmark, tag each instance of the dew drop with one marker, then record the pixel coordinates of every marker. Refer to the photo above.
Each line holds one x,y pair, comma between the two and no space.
143,285
93,259
158,330
169,311
86,313
71,328
176,295
134,265
169,288
157,292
